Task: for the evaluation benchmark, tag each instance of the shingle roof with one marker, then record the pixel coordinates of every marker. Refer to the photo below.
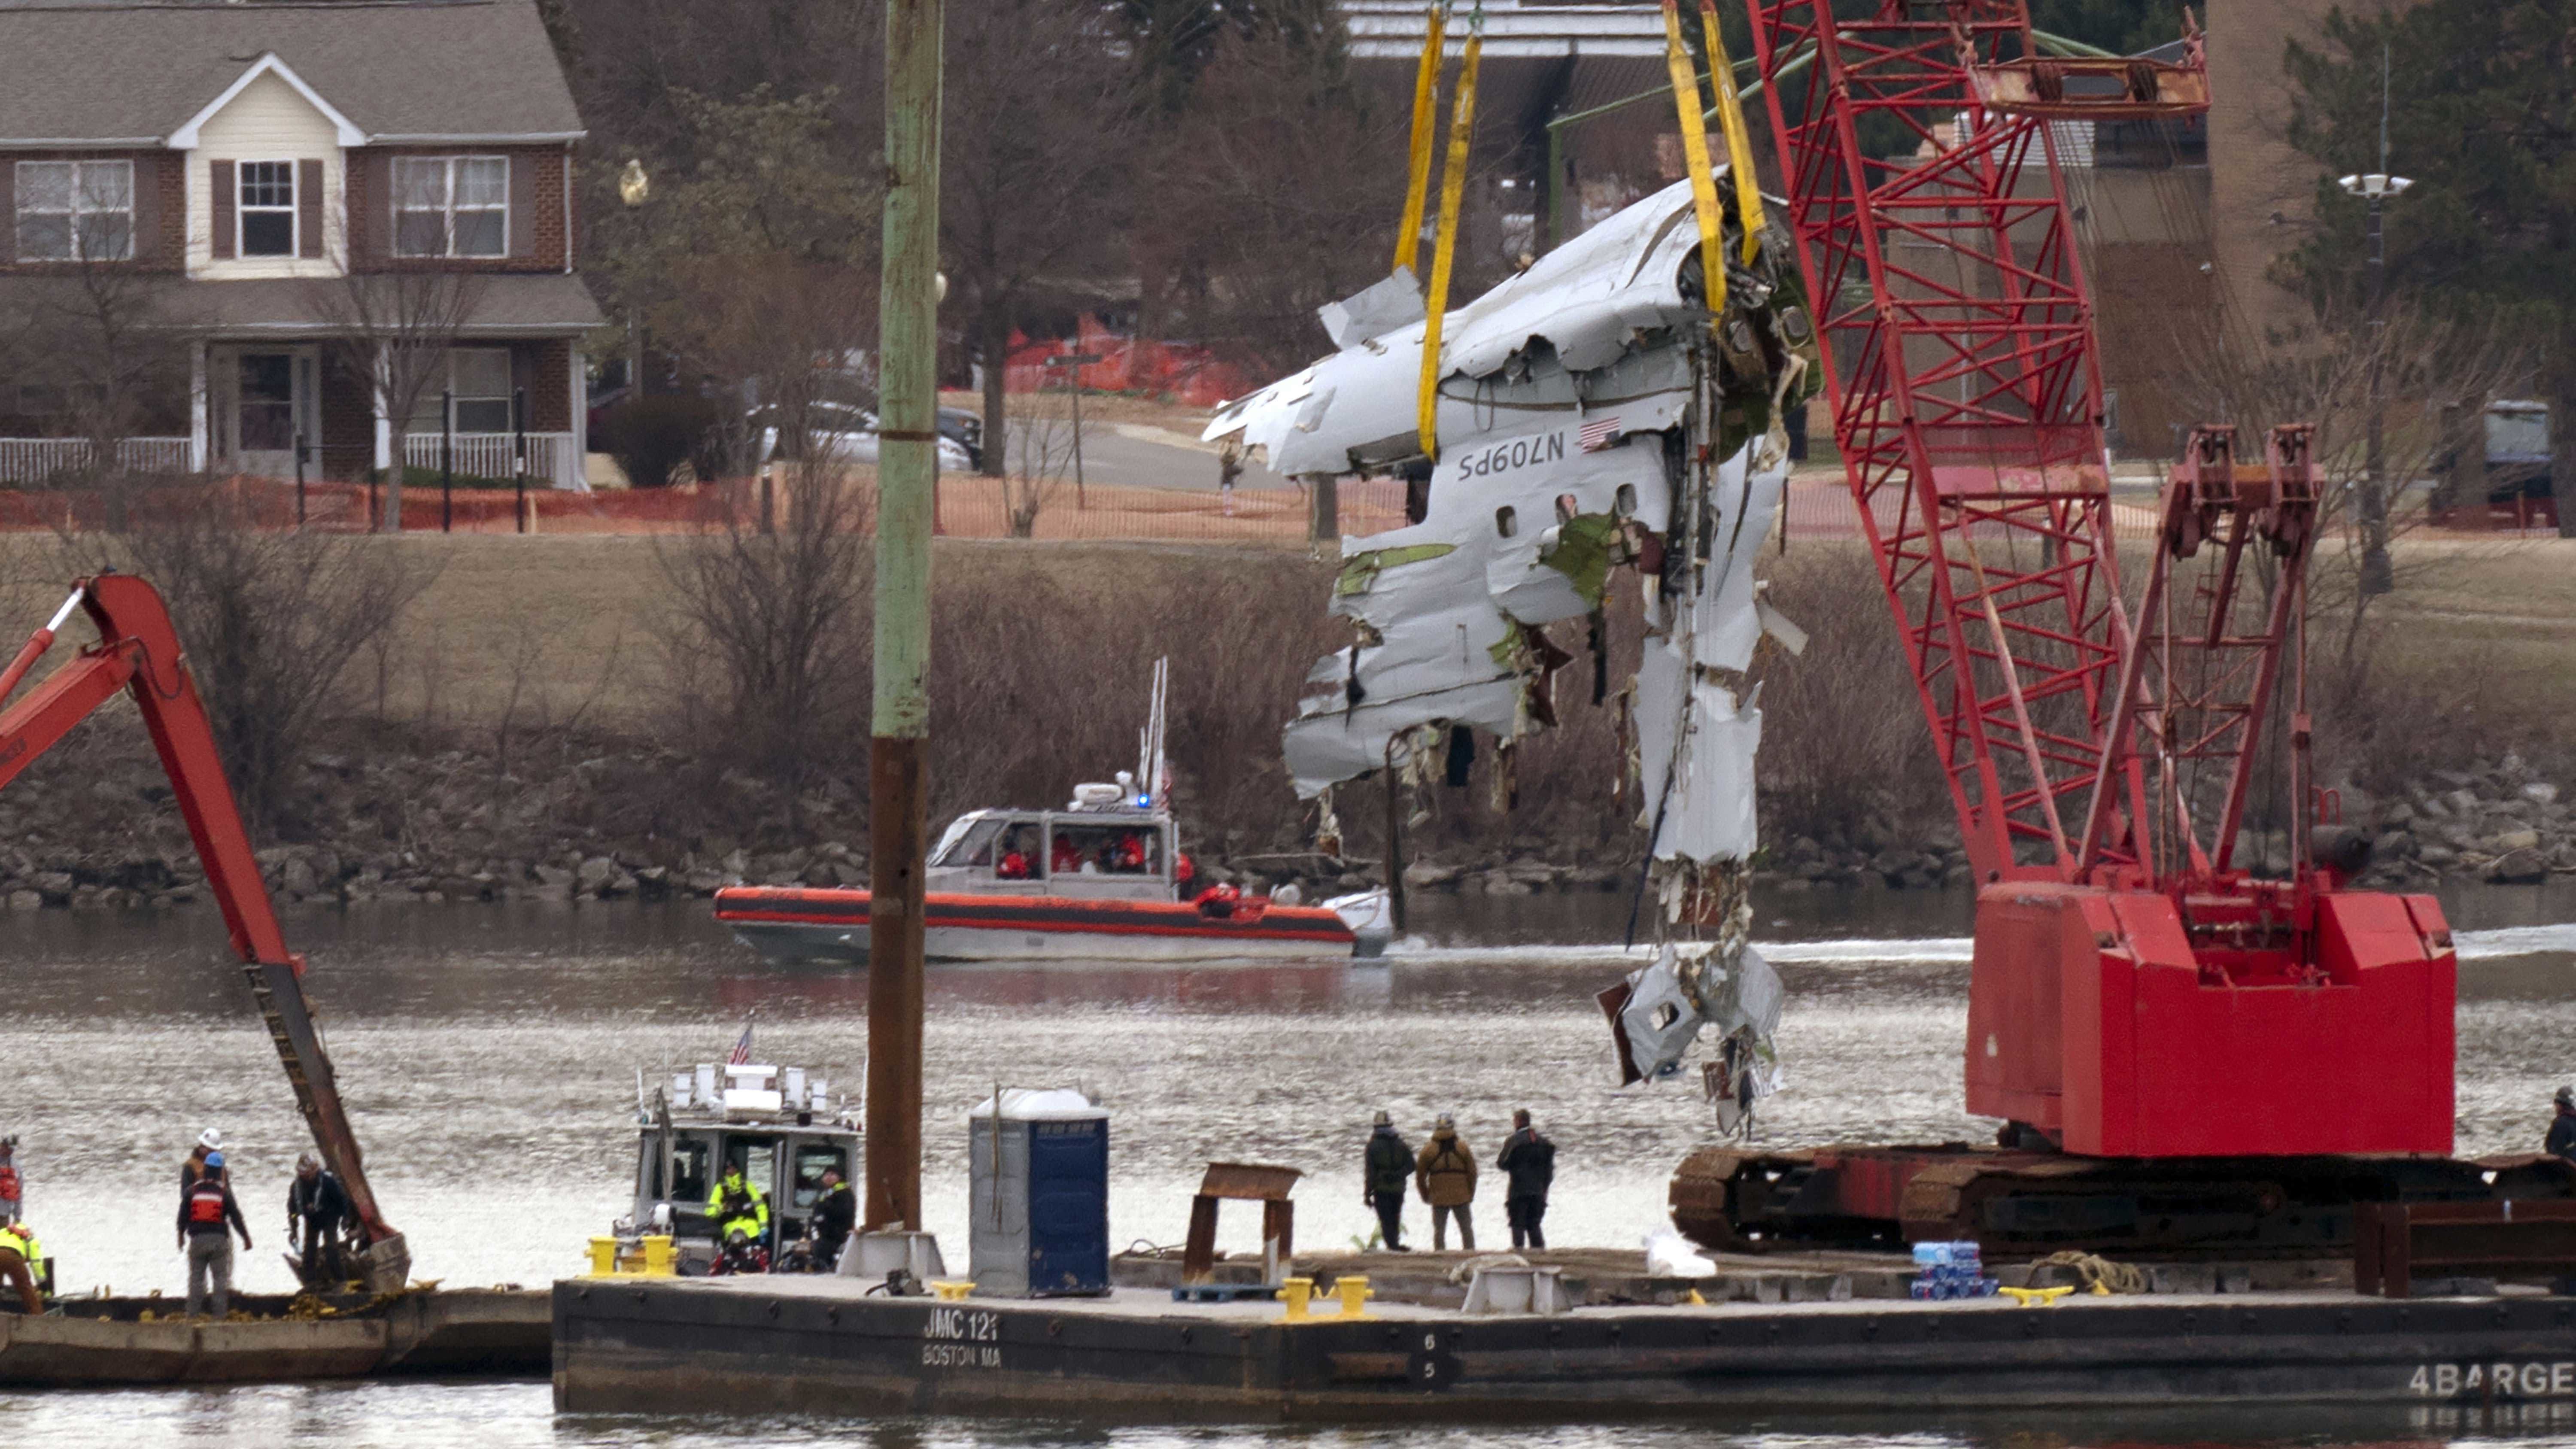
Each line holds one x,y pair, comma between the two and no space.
124,72
504,303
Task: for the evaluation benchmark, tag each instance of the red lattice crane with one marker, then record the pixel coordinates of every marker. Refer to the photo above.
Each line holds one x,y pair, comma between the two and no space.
2224,1048
138,654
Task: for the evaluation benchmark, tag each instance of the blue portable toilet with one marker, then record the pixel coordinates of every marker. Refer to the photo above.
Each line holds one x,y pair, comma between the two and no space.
1038,1169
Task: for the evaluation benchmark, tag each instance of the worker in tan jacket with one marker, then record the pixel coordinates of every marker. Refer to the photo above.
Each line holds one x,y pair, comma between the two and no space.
1445,1174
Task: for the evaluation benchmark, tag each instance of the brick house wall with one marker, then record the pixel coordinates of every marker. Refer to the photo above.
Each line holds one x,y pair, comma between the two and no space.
160,210
538,236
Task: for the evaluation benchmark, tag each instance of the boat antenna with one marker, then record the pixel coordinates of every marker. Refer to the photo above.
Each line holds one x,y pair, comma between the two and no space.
1157,786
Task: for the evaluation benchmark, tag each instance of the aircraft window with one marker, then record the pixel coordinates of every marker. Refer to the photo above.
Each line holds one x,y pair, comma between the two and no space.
1506,523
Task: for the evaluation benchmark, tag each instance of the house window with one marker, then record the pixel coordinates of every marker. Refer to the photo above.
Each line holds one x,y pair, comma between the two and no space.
267,208
72,211
451,206
478,379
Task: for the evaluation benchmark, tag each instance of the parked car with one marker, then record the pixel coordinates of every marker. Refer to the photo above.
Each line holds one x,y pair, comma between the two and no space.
849,434
2520,490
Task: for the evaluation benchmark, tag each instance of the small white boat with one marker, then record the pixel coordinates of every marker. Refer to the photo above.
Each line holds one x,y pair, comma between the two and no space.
1103,879
781,1125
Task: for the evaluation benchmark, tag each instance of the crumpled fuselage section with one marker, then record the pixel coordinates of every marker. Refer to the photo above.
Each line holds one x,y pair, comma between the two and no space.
1590,420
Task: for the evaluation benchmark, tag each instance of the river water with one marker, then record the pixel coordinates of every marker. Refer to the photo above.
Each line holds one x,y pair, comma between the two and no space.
489,1059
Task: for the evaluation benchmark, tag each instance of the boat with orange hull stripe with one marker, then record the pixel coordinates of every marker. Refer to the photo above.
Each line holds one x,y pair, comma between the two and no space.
805,924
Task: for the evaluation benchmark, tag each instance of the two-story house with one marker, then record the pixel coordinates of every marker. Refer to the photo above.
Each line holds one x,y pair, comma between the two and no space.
217,172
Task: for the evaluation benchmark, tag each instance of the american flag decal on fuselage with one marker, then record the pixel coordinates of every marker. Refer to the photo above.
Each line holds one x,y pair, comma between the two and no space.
1599,433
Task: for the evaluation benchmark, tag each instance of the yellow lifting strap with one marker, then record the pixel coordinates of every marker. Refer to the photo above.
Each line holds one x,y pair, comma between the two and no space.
1739,139
1426,104
1694,128
1444,240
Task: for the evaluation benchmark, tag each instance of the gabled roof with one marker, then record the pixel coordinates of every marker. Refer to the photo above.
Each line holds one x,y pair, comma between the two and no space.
413,70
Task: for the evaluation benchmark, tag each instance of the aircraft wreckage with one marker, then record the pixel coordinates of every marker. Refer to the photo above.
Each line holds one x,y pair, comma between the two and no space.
1592,416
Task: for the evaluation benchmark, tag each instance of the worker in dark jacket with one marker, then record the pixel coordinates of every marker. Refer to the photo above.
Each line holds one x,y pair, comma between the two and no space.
836,1213
2562,1127
1390,1171
320,1205
1528,1162
208,1217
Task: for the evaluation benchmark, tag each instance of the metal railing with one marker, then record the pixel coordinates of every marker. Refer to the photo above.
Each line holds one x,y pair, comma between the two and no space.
25,461
551,459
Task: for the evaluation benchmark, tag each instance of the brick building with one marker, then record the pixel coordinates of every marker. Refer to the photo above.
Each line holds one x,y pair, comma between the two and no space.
274,194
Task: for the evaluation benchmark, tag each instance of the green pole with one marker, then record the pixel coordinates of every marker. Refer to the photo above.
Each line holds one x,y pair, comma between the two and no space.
907,470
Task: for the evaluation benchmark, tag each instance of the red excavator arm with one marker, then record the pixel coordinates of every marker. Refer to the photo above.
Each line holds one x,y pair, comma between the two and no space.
138,652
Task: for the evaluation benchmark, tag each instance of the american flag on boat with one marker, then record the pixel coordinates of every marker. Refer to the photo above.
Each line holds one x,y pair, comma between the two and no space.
741,1049
1600,433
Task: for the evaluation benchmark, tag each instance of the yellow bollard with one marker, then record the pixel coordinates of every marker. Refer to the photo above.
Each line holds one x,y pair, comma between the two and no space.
952,1290
1354,1291
603,1257
2035,1297
658,1256
1296,1293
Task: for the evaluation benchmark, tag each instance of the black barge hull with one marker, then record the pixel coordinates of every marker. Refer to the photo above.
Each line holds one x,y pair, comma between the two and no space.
738,1345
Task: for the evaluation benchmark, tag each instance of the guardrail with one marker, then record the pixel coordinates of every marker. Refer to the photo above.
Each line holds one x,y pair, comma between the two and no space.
34,460
2396,1243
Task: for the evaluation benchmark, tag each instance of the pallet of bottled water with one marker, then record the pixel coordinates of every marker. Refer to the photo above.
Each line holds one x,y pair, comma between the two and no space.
1951,1270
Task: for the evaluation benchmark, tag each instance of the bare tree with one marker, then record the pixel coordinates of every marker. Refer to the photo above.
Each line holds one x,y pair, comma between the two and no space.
271,619
1037,140
1039,445
2430,369
394,328
766,644
1293,178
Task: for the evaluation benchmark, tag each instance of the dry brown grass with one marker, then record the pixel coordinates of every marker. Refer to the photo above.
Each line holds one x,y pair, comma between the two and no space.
1042,650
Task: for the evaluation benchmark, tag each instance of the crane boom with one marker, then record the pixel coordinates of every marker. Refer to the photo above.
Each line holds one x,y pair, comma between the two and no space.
138,653
2126,965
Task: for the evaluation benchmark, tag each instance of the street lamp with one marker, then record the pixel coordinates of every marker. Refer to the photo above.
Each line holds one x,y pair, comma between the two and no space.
2376,187
634,188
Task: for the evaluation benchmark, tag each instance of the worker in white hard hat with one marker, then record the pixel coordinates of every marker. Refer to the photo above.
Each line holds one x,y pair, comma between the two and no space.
209,1141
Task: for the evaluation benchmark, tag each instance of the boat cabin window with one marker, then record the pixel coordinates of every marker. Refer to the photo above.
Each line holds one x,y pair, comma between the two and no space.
812,1158
1020,851
975,847
1131,849
688,1169
758,1159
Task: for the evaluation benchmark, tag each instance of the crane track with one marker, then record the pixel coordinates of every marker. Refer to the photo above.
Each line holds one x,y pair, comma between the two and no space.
2022,1204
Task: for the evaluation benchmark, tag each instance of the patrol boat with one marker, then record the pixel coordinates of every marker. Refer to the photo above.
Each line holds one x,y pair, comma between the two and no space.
781,1125
1102,879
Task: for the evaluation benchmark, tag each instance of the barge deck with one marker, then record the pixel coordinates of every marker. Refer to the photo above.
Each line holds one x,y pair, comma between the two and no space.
823,1345
459,1333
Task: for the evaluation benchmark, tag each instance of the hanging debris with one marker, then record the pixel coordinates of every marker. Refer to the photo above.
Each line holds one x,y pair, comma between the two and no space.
1591,416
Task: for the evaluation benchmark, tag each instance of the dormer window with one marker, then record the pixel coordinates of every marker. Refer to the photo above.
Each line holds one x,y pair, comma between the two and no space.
451,206
267,209
75,211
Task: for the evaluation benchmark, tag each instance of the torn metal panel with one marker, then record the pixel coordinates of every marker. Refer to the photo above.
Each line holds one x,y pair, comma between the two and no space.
1611,296
1724,621
1434,648
1395,301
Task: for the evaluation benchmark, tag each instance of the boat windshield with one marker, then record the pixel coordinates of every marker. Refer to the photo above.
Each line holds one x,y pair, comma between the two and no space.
688,1171
812,1159
974,846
